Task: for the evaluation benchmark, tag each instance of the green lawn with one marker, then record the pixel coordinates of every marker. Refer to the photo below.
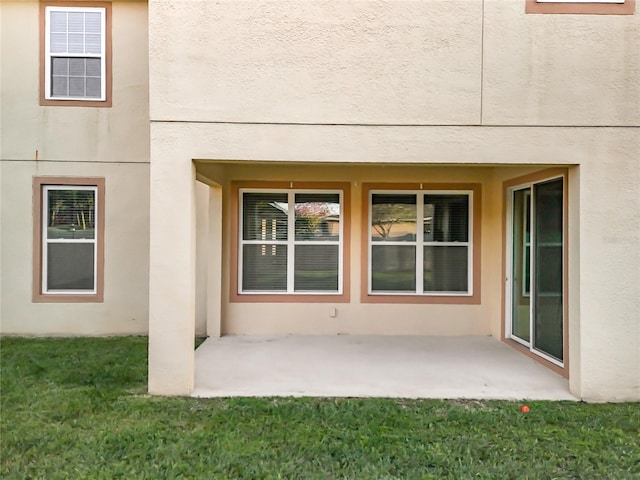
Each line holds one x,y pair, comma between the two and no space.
77,409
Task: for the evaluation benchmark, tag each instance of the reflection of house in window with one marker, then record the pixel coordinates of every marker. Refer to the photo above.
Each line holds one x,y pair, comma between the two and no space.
290,241
269,227
404,259
273,228
70,256
445,261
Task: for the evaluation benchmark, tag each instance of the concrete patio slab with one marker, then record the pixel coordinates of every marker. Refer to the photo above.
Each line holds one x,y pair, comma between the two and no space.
371,366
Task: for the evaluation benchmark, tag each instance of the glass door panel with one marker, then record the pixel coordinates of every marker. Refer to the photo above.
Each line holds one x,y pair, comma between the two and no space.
521,241
536,272
548,268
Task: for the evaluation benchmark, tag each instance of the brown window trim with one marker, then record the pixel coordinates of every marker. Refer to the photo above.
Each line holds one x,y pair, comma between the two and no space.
473,299
593,8
534,178
38,296
108,54
344,297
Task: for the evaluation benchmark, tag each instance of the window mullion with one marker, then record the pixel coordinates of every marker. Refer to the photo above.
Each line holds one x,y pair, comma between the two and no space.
445,273
241,241
291,236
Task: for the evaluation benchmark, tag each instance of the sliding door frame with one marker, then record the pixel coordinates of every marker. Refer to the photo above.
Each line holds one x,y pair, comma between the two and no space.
528,348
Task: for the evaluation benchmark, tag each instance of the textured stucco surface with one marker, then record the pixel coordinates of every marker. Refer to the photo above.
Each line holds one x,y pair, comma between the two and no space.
112,143
316,62
559,69
610,278
119,133
126,251
399,144
401,62
172,277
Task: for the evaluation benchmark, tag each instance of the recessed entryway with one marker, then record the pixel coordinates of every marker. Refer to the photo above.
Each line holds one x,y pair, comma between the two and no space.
535,290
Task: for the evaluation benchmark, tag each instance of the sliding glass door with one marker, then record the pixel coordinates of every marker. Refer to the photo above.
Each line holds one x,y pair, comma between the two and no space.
535,280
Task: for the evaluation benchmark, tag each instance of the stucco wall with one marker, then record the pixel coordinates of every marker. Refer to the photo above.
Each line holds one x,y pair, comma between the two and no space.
410,62
112,143
116,134
559,69
126,277
441,82
602,161
452,82
317,62
609,310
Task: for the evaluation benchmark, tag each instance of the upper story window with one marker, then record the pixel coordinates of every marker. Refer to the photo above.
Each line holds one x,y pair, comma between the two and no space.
593,7
76,54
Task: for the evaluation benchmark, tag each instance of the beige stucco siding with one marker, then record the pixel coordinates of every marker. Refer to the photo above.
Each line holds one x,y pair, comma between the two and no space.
402,62
609,329
116,134
559,69
124,309
397,144
110,143
335,90
317,62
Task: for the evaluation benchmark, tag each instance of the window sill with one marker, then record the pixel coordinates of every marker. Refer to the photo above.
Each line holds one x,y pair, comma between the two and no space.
75,103
71,298
592,8
289,298
422,299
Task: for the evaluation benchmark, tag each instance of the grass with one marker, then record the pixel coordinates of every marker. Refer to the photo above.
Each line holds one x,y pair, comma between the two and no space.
77,409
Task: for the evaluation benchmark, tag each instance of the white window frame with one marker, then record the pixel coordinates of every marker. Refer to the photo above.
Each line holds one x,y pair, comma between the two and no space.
46,241
526,245
419,244
291,241
48,56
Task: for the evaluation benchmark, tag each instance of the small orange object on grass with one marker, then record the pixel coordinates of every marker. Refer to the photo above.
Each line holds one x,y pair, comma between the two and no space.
524,408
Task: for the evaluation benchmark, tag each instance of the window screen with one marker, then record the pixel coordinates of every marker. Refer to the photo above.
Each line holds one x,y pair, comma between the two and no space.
69,239
75,53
